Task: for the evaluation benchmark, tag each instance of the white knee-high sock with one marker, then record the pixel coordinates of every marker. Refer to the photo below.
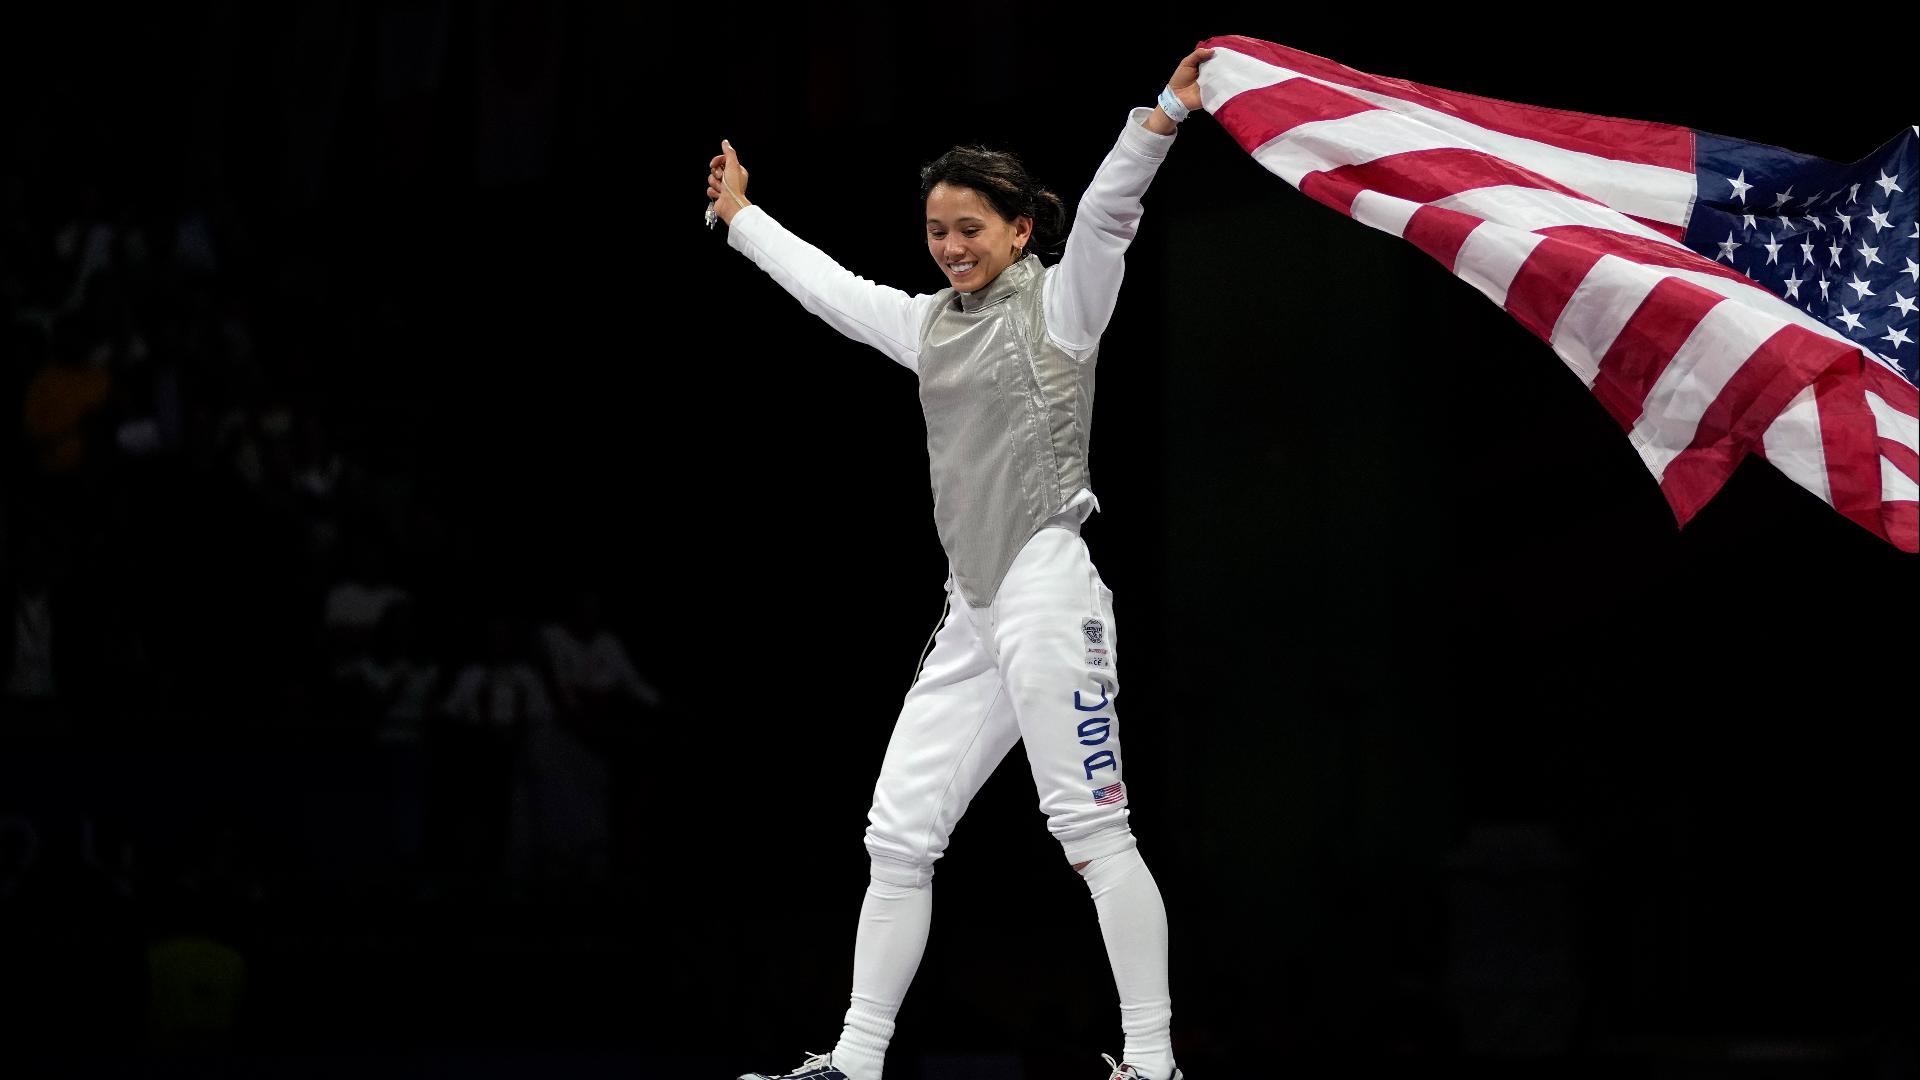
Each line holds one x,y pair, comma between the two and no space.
886,952
1133,921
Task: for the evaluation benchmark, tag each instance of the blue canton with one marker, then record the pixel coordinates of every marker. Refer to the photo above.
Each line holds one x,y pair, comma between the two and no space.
1839,242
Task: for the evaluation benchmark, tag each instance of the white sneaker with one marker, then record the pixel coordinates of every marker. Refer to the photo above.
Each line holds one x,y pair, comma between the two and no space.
1121,1072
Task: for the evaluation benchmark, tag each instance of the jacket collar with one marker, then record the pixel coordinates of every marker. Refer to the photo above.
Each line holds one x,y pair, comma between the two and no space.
1011,280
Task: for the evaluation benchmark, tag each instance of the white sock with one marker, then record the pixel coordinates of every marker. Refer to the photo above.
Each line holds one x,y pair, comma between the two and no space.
886,952
1133,921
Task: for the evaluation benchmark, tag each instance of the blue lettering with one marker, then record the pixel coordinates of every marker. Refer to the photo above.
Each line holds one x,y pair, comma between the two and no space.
1102,759
1096,707
1094,732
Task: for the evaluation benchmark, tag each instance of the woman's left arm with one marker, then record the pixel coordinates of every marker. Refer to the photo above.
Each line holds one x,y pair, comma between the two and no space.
1081,292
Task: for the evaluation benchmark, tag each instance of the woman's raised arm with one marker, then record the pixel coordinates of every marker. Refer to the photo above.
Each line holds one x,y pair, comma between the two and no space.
1081,292
878,315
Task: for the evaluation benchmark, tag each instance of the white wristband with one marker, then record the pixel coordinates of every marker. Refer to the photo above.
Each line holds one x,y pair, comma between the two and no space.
1170,104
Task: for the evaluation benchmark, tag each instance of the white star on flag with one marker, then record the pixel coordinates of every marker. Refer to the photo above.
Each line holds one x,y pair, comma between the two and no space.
1740,185
1871,254
1879,219
1860,287
1773,249
1783,198
1848,317
1793,285
1904,303
1886,183
1897,336
1727,246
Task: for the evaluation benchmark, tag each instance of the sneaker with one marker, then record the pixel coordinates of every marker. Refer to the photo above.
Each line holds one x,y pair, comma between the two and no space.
1120,1072
816,1067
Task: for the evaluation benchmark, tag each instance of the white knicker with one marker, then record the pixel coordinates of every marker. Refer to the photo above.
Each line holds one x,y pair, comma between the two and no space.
1037,664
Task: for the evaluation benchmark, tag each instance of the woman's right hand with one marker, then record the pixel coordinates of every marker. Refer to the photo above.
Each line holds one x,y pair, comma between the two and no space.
723,172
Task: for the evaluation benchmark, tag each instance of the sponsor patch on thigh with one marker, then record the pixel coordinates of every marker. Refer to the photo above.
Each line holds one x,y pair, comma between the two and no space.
1095,632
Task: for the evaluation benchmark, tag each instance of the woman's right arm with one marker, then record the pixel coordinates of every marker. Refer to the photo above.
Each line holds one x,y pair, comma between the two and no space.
883,317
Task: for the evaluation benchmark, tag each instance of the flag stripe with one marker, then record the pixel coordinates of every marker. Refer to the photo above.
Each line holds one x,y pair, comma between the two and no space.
1767,380
1491,256
1903,524
1852,450
1294,137
1546,282
1439,232
1705,363
1254,120
1792,445
1642,349
1901,459
1662,145
1434,174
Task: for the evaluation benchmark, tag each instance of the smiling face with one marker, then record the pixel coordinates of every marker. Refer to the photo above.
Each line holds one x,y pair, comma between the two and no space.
968,237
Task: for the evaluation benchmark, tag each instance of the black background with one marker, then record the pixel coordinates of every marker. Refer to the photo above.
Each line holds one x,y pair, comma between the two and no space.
1444,744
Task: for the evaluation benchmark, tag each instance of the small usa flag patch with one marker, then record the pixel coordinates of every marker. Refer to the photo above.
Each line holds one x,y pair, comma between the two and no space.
1112,793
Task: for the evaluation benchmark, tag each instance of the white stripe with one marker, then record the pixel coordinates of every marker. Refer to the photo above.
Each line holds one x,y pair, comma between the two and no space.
1894,485
1536,208
1490,257
1287,160
1892,423
1230,74
1700,369
1598,310
1384,212
1792,444
1758,299
1367,136
1648,191
1370,137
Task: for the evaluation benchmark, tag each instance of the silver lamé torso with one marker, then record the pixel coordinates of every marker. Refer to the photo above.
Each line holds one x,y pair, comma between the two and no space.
1008,419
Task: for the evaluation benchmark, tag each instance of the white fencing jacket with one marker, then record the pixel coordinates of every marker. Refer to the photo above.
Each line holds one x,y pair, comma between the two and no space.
1006,371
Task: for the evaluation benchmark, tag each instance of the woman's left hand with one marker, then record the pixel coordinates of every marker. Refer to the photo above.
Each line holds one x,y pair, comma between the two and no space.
1185,82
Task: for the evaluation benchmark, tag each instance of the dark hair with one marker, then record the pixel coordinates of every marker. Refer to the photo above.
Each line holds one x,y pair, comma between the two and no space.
1002,180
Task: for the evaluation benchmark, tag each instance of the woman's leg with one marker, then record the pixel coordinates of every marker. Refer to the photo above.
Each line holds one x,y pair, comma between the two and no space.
1052,628
954,727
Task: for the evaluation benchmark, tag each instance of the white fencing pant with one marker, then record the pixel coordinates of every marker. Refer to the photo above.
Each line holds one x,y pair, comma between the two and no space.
1039,664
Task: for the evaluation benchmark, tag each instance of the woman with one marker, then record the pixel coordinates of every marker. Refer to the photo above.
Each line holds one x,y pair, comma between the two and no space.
1026,650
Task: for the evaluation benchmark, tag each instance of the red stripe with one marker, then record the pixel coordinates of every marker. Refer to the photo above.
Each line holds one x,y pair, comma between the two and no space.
1893,389
1603,136
1852,447
1258,117
1903,525
1425,176
1902,457
1439,232
1781,367
1665,228
1658,327
1336,192
1545,282
1647,252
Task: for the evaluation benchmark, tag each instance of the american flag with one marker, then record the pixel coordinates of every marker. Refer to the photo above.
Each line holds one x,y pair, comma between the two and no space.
1719,297
1112,793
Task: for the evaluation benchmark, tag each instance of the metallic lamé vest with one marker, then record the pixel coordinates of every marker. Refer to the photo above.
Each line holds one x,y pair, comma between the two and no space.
1008,418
